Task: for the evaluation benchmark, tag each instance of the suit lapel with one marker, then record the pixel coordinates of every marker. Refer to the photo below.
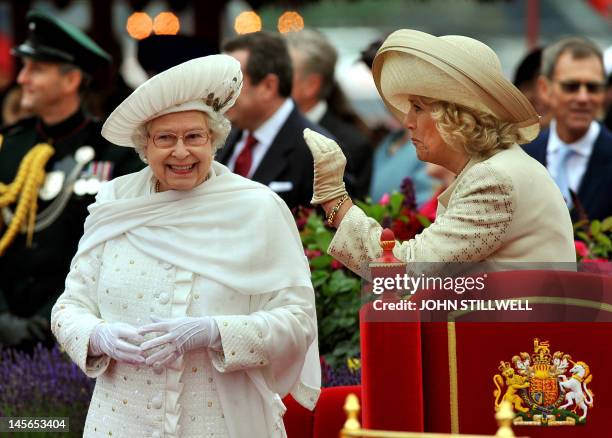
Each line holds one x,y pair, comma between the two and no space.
224,154
276,159
595,172
541,145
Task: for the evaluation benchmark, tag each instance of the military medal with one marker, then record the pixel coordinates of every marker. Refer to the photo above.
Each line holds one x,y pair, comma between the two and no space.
92,177
82,186
84,154
92,185
54,181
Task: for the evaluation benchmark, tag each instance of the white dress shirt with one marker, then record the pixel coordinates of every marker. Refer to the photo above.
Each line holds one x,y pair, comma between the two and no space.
264,135
577,163
317,112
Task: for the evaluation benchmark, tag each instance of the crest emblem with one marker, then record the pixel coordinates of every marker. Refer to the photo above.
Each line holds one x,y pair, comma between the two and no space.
544,389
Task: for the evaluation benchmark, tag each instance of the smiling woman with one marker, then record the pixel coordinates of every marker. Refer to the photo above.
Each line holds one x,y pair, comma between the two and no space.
185,337
178,148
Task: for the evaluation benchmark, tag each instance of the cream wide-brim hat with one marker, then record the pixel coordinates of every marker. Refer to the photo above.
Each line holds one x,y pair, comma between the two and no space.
450,68
210,84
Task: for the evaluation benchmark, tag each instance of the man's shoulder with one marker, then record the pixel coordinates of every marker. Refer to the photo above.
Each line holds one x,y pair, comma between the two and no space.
605,137
297,122
18,129
125,159
537,143
344,131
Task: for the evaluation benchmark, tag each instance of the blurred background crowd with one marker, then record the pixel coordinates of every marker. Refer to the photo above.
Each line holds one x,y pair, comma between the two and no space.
144,37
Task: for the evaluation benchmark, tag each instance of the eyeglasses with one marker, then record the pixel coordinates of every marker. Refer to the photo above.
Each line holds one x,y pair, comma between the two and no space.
574,86
167,140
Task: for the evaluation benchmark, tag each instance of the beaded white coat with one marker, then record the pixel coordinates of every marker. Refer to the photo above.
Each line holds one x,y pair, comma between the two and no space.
230,393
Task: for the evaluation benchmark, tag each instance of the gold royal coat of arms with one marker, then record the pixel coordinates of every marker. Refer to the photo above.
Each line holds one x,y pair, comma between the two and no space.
545,389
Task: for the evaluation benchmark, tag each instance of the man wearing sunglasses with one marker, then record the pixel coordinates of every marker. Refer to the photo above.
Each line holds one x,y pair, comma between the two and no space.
576,148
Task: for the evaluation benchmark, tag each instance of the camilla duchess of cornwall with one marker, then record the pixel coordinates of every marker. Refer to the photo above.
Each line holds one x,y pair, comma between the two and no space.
189,298
502,208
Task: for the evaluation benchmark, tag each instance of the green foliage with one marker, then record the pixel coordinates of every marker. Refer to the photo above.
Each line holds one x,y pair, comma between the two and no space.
337,294
594,240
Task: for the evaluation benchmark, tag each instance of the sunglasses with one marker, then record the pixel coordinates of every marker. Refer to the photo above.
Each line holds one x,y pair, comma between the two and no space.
574,86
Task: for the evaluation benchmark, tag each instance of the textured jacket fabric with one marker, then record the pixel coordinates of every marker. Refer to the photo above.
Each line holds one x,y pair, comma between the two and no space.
233,393
501,210
594,188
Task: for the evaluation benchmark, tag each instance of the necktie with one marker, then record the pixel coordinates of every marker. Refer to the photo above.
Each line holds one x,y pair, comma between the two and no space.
245,157
562,178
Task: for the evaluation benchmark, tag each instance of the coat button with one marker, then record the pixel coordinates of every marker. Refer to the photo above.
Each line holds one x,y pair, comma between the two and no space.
164,298
157,368
167,266
157,401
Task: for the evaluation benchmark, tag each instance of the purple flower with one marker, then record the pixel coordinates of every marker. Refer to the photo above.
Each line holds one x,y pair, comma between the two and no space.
340,376
407,189
44,383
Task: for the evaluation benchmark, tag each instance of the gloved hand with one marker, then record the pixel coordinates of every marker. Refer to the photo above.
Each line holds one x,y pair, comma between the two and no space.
329,164
178,335
15,330
118,340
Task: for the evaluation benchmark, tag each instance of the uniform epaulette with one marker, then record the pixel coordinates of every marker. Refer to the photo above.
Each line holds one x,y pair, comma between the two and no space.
17,127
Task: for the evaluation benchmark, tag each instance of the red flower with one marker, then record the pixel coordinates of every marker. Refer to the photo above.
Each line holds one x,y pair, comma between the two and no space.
384,199
406,229
335,264
429,209
581,249
312,253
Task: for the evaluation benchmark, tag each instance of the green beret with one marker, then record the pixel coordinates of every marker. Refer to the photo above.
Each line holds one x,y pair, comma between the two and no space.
52,40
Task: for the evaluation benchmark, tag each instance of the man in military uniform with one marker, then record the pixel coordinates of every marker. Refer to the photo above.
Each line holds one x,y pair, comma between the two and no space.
58,60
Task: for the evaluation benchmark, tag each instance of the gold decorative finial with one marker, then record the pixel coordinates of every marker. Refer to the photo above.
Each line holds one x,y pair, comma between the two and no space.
352,408
504,418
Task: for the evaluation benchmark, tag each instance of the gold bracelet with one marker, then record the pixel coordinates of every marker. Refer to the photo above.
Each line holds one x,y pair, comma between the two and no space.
332,214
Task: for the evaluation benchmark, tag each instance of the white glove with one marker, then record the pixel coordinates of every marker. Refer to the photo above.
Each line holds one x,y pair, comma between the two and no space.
329,164
118,340
179,335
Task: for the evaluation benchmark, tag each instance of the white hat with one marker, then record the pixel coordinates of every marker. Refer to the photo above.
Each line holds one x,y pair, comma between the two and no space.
210,84
451,68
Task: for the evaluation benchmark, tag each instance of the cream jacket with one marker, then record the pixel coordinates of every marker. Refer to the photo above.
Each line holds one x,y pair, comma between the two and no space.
502,210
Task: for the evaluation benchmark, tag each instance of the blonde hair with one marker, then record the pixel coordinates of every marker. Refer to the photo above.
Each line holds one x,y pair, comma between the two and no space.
480,134
217,124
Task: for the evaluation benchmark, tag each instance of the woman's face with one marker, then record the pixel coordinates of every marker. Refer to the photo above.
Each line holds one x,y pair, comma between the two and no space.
425,136
180,167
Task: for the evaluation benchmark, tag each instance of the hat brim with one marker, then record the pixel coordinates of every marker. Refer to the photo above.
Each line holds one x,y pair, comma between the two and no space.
413,63
41,53
209,84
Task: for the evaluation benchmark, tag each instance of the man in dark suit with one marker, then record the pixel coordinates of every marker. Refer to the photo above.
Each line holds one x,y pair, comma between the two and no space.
58,60
314,62
576,149
267,143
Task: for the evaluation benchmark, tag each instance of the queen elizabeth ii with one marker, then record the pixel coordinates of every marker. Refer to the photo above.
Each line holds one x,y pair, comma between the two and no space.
189,298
